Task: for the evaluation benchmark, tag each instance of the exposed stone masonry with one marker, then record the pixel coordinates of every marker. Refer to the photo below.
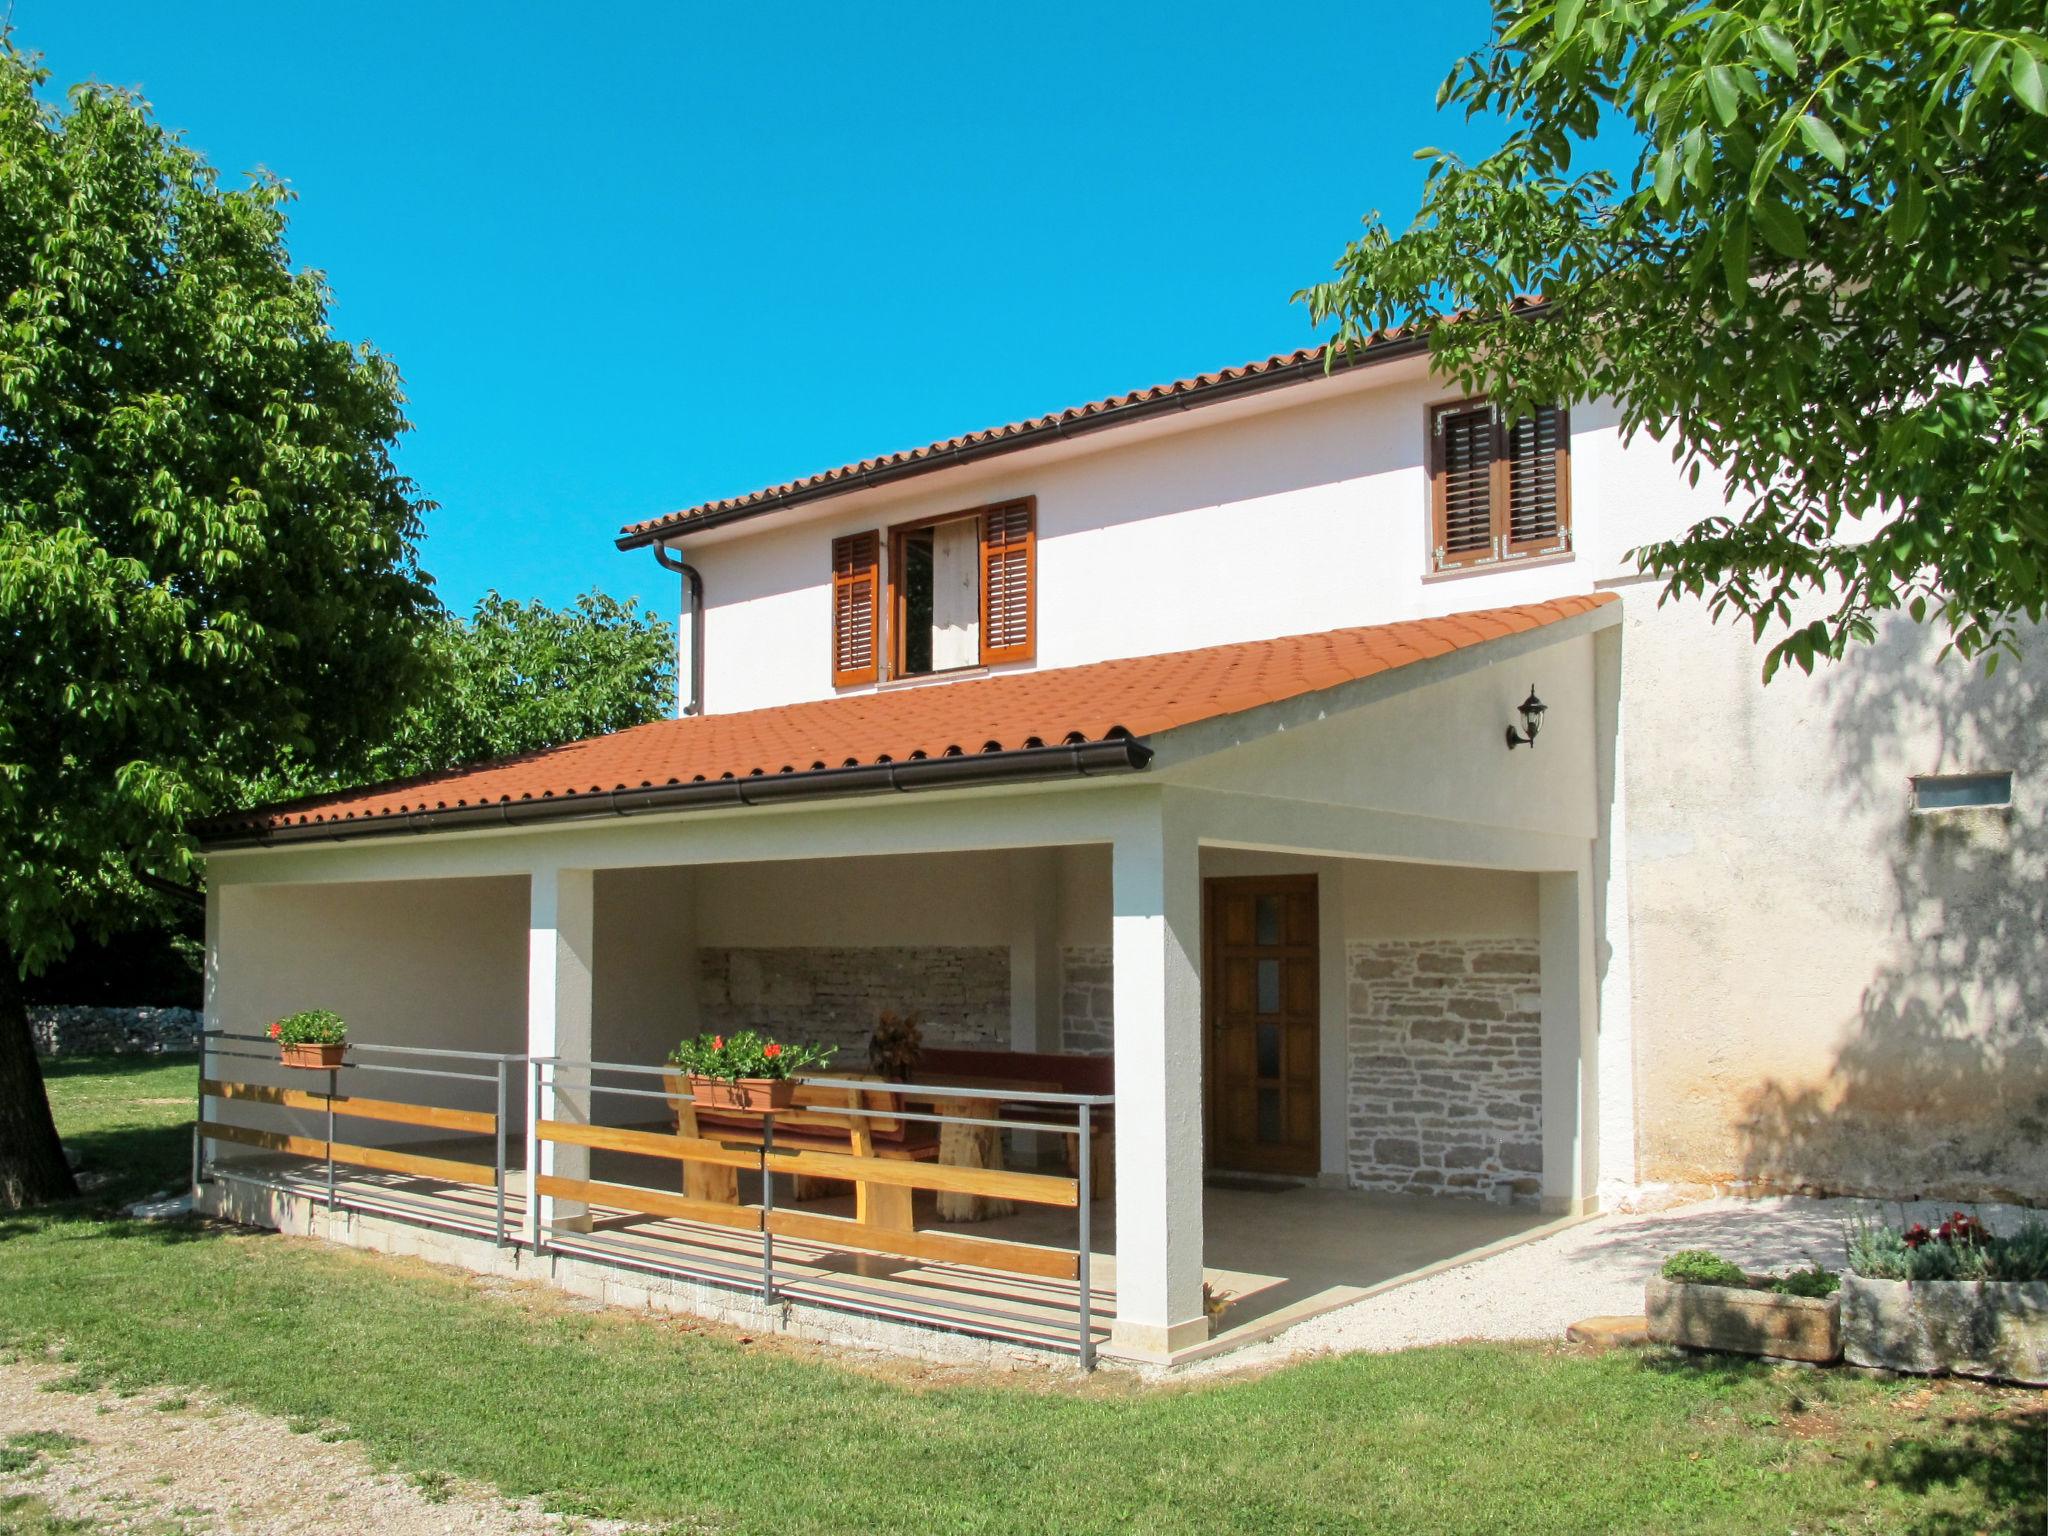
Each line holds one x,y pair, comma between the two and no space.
1446,1083
66,1029
961,994
1087,1000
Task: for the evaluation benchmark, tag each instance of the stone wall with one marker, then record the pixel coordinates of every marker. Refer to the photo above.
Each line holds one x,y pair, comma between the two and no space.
1446,1080
63,1029
1087,1000
833,996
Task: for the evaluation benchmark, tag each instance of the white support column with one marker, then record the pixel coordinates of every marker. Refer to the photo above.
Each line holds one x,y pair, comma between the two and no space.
1034,949
1034,879
1333,982
209,1020
1571,1042
1612,916
561,934
1157,903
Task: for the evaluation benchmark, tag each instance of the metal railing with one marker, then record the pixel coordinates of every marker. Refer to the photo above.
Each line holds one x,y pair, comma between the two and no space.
334,1103
556,1094
547,1090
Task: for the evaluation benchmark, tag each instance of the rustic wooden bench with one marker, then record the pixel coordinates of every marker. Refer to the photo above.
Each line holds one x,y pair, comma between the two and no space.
812,1126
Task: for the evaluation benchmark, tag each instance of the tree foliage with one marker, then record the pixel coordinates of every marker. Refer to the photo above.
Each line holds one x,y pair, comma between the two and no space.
205,549
1823,274
517,677
514,677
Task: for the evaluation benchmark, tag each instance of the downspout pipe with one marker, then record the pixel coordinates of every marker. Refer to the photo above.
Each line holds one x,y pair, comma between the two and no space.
693,588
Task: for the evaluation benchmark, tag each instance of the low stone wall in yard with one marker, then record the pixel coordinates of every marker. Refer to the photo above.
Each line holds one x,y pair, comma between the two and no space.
961,993
1446,1080
67,1029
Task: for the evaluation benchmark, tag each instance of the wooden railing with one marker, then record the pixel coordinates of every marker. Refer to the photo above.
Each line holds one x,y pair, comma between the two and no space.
556,1115
845,1232
332,1104
864,1169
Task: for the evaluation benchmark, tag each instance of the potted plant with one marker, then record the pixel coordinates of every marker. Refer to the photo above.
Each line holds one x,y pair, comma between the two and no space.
894,1047
313,1037
1701,1301
1954,1298
744,1071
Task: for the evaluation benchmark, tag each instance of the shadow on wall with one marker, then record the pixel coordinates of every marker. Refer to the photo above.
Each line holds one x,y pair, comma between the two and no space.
1941,1089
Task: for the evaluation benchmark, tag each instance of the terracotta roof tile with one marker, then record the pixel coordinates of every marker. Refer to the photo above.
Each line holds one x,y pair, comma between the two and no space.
1282,368
1133,697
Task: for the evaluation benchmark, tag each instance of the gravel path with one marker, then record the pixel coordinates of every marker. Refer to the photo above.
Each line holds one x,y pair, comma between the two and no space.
1596,1268
172,1463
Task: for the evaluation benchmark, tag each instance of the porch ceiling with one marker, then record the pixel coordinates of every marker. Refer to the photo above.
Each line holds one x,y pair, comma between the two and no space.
1073,720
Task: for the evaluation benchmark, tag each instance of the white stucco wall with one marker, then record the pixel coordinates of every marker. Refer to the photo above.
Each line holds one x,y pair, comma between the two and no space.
1827,990
1299,511
415,962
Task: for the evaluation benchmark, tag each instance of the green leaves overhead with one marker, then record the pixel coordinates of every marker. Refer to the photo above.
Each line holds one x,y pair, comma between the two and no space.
206,552
1824,277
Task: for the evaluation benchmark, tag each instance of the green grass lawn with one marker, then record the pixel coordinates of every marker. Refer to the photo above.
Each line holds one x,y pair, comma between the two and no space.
669,1421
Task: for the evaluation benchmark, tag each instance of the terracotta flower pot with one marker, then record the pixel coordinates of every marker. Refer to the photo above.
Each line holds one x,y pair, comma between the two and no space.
322,1057
751,1095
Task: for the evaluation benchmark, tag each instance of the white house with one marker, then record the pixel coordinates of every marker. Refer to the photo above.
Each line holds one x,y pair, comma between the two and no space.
1186,727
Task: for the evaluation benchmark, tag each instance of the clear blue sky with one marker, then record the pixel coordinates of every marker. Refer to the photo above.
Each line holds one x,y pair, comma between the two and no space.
630,257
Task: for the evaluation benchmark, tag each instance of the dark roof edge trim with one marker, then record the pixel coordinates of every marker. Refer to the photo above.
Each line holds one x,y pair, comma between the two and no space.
1039,432
1116,754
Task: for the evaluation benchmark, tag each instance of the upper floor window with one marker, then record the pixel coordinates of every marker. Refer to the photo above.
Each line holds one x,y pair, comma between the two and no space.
958,593
1498,491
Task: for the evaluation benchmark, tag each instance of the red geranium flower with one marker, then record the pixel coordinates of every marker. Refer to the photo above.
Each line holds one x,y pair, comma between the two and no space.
718,1042
1916,1235
276,1029
771,1051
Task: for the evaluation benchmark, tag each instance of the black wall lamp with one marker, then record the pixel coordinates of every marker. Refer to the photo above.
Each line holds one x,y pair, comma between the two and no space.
1531,710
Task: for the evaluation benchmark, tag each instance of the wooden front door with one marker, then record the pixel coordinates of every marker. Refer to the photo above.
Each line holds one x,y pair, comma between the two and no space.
1259,994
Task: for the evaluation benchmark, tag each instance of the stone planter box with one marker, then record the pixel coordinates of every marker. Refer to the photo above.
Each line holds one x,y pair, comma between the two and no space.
1991,1328
1739,1321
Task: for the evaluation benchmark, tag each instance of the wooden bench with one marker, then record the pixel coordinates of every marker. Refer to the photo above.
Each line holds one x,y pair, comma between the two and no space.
1060,1071
811,1126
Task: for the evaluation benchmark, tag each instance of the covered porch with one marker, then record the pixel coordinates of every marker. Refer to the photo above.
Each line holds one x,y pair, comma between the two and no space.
1335,956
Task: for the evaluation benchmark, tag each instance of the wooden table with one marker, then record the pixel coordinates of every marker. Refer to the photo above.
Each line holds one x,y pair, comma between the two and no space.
960,1146
971,1146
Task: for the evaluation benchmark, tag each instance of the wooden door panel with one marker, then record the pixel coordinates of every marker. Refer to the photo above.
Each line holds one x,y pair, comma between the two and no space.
1260,983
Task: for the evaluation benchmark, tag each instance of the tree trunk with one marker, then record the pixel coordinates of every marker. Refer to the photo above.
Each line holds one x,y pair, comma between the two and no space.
32,1165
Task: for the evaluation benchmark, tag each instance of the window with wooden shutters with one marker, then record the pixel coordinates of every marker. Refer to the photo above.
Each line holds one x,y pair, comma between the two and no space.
1497,491
1538,519
1008,555
1464,455
856,608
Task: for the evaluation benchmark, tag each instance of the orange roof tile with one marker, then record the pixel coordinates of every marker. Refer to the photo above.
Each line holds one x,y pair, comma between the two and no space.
1105,701
1280,369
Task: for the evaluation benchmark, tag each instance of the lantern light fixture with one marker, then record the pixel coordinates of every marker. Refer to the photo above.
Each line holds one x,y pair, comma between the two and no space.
1531,710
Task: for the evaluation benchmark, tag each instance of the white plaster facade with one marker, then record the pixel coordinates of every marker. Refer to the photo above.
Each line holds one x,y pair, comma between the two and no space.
1746,948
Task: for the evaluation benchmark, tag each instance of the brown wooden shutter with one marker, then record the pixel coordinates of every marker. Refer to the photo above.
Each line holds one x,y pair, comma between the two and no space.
856,608
1461,484
1537,518
1009,558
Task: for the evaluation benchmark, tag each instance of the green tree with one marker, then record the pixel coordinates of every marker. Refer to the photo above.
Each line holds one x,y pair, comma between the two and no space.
206,554
1823,271
517,677
514,677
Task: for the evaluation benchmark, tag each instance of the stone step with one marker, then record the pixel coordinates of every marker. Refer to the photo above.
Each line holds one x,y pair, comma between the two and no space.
1610,1332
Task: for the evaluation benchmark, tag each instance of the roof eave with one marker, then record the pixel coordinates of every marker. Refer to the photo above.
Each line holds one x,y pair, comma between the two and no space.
1037,434
1093,759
